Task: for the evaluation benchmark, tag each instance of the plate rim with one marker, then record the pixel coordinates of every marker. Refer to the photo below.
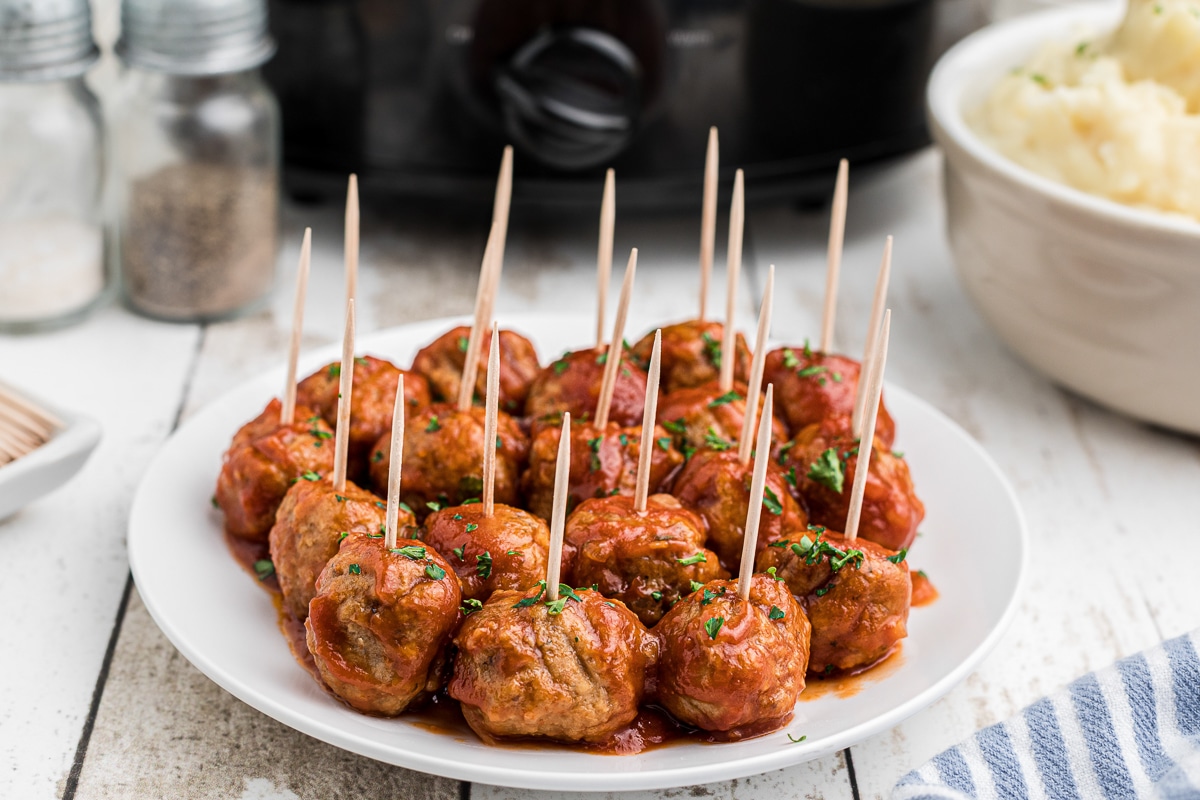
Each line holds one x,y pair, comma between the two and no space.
518,777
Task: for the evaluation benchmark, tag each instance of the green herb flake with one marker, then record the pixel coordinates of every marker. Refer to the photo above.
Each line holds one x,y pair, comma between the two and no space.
696,586
514,553
264,568
470,606
771,501
335,370
602,358
434,572
921,572
724,399
827,471
789,358
402,506
320,434
483,565
1039,79
526,602
815,369
594,446
707,597
790,476
311,476
898,557
783,450
378,456
214,502
624,440
675,426
713,626
343,535
771,572
656,595
837,377
458,551
792,739
715,442
555,607
354,569
897,454
712,349
470,486
433,425
339,498
463,343
470,501
776,613
560,366
824,590
693,559
433,505
472,527
664,443
412,551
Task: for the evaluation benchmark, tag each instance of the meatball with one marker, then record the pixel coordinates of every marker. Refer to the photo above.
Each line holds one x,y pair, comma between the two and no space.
505,551
572,383
704,417
691,354
380,622
821,462
574,670
267,422
443,458
647,560
441,362
603,463
857,595
262,464
372,399
310,523
811,386
717,486
730,665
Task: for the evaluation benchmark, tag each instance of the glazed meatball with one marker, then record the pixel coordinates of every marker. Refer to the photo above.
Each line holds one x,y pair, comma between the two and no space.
371,400
691,354
730,665
380,621
574,670
857,595
822,461
441,362
262,464
443,458
572,383
647,560
267,422
310,523
810,386
717,486
704,417
505,551
603,464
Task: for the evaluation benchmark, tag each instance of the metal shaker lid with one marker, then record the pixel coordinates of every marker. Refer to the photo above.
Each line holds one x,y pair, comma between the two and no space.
194,37
42,40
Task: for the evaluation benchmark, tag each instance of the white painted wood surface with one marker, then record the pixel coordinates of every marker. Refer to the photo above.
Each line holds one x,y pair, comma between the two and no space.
1111,504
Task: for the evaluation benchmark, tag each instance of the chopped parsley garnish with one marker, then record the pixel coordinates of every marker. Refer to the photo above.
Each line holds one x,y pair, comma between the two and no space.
808,353
921,572
470,501
264,568
693,559
433,505
624,440
897,454
343,535
827,471
514,553
526,602
712,349
402,506
771,572
594,446
362,362
355,569
433,425
413,551
560,366
462,344
828,669
656,595
483,565
555,607
602,358
802,738
320,434
1081,48
664,443
214,502
1040,79
713,626
339,498
675,426
471,527
378,456
837,377
789,358
898,557
435,572
824,590
335,370
777,613
470,606
470,486
707,597
790,476
458,551
771,501
715,442
783,450
311,476
815,369
457,516
696,586
724,399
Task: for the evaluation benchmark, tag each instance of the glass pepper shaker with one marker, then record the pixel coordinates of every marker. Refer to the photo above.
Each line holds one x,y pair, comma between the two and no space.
196,137
52,266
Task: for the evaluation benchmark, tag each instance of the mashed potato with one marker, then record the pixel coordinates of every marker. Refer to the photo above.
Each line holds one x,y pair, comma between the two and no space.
1116,116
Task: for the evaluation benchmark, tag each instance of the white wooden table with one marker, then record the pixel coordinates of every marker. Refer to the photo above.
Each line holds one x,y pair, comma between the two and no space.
95,703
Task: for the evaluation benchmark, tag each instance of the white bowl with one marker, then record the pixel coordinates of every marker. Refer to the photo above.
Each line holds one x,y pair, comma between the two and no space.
54,463
1101,297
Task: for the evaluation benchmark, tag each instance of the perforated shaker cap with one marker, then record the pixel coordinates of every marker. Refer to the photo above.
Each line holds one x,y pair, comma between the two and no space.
43,40
194,37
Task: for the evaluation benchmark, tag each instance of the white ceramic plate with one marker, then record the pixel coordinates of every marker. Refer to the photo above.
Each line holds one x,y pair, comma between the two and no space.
973,547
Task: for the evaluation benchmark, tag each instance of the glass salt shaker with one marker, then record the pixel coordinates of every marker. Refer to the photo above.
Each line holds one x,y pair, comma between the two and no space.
196,136
52,266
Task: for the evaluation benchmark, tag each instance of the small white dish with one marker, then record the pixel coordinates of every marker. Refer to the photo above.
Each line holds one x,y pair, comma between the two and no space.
44,469
1099,296
974,546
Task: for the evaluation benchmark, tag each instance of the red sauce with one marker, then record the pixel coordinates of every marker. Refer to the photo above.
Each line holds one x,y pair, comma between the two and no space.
923,591
246,553
851,683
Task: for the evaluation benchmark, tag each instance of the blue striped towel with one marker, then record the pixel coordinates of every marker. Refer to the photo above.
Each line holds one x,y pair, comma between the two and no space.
1129,731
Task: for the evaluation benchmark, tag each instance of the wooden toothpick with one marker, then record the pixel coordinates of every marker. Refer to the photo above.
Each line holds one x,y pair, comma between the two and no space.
737,222
609,380
762,457
649,412
558,514
708,218
604,254
392,520
756,368
345,388
877,307
866,443
837,236
466,386
352,236
288,413
491,410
